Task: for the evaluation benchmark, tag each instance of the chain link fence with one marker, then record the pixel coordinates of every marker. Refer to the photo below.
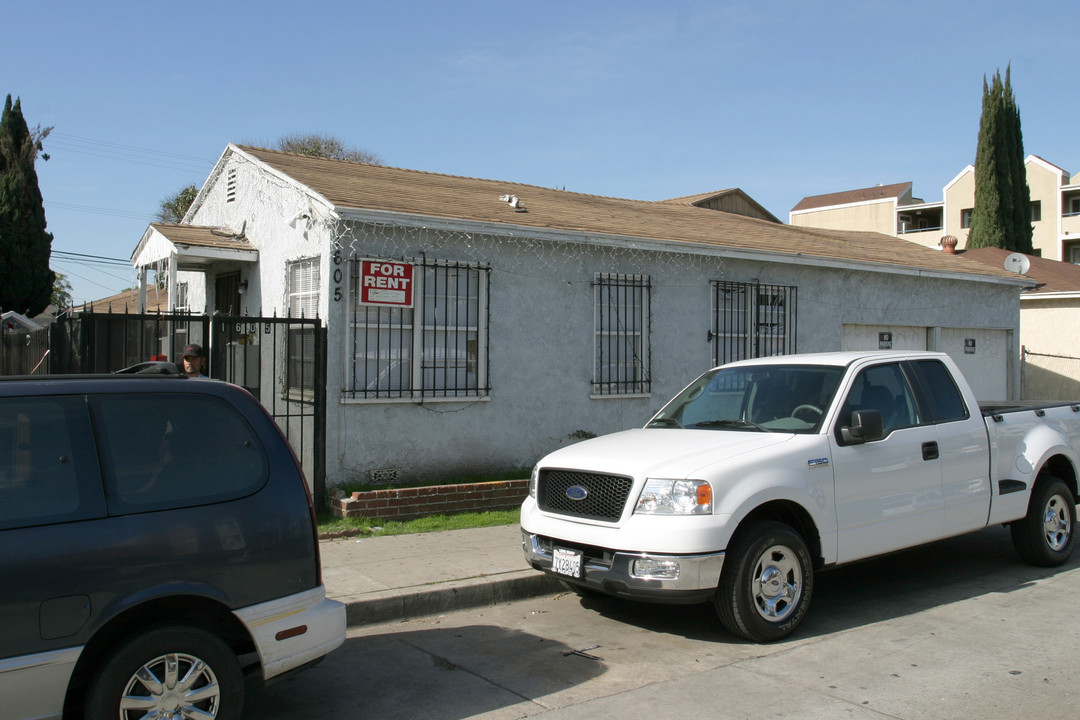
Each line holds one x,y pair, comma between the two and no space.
1048,378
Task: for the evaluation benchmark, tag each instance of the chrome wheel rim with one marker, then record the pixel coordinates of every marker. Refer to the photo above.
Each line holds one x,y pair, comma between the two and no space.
1056,523
777,583
171,687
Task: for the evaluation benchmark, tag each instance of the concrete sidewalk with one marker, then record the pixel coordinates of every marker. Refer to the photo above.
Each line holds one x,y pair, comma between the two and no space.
400,577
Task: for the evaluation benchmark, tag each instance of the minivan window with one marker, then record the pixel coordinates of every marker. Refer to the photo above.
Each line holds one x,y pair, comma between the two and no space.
172,450
48,466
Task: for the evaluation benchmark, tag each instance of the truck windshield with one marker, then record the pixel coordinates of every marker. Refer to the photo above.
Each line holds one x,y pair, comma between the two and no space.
767,398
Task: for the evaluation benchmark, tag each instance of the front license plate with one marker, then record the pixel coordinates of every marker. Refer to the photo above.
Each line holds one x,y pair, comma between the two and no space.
566,562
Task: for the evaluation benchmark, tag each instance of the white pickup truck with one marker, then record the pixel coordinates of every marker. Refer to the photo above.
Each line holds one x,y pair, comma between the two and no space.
763,471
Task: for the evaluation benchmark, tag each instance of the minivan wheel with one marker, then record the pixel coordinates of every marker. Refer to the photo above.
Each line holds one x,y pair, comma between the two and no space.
170,672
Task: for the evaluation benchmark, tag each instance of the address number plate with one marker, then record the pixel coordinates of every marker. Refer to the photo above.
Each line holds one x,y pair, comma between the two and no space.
566,562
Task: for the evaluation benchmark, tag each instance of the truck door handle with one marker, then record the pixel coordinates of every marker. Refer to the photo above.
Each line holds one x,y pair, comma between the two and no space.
929,451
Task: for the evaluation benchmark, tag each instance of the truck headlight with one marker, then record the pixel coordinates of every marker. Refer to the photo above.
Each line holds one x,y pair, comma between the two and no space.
533,479
675,497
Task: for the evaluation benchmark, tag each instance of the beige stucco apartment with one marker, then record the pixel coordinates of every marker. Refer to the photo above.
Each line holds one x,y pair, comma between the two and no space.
893,210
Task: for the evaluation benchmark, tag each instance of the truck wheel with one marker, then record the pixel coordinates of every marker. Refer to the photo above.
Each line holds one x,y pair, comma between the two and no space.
1045,536
766,582
168,672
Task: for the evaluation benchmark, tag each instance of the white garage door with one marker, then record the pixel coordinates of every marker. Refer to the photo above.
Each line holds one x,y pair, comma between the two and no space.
983,357
884,337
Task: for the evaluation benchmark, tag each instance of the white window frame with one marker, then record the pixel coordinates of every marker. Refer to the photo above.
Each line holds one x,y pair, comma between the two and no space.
303,287
303,301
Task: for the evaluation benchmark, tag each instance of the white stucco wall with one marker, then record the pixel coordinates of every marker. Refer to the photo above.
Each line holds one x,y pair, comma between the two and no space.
541,344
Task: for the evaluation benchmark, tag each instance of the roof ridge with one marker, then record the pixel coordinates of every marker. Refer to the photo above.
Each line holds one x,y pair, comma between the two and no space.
431,173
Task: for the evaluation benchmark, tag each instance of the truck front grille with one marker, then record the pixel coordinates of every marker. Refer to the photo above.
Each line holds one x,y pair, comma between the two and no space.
602,497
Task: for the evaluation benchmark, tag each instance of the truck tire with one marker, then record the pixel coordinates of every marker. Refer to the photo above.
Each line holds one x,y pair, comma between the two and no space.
766,582
161,672
1046,535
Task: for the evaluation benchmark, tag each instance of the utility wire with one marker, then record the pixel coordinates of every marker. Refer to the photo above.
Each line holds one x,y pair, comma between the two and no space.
82,257
128,153
97,210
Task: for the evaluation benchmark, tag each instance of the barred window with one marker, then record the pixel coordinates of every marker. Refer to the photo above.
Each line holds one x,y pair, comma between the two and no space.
621,364
303,279
752,320
438,348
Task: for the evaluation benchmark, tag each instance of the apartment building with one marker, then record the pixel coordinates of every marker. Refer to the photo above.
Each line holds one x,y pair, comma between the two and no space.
893,210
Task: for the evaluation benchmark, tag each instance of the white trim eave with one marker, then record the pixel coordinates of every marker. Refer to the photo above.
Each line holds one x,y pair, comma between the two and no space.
956,179
651,244
843,206
920,206
1046,164
185,251
1036,296
287,179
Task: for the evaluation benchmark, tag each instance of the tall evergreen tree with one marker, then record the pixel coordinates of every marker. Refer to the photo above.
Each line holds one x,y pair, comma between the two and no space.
1002,214
26,282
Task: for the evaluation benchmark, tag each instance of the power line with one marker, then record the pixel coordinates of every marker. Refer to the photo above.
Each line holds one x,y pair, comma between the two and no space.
82,257
128,153
96,210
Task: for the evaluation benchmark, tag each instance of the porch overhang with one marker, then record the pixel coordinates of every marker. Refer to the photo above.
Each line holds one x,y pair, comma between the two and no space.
191,247
194,248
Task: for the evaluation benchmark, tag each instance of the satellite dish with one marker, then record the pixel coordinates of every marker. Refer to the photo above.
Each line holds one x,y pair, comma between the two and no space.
1017,263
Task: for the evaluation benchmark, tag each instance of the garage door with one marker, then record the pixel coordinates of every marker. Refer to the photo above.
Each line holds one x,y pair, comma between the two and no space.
983,357
884,337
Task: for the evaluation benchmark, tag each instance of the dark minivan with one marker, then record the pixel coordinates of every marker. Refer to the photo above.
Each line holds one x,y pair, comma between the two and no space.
158,549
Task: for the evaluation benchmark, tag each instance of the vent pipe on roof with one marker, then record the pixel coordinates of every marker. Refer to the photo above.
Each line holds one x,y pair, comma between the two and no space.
948,244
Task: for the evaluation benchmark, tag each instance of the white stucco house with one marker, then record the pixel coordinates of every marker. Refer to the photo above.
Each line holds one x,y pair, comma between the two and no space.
477,324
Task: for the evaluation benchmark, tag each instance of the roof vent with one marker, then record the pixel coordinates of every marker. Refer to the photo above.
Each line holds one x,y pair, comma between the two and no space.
513,201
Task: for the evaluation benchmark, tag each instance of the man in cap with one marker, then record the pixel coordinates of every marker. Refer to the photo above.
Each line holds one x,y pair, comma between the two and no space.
193,361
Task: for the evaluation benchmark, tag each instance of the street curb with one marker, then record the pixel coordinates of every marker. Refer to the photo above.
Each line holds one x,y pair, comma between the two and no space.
411,603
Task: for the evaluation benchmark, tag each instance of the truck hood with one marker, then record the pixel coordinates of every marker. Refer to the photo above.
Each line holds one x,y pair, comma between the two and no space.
660,452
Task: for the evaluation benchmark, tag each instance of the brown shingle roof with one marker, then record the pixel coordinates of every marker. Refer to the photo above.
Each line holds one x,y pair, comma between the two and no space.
157,300
878,192
358,186
1050,276
200,235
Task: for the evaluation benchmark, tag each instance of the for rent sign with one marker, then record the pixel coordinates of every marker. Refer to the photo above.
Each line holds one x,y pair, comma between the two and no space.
386,283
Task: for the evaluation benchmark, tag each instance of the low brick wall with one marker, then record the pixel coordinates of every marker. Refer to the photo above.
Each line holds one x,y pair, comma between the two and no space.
411,503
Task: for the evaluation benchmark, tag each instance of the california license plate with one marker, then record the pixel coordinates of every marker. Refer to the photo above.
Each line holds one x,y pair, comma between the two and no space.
566,562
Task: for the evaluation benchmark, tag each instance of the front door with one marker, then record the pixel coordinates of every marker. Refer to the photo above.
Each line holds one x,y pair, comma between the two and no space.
227,294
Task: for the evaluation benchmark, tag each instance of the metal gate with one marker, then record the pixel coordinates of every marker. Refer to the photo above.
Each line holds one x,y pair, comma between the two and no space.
281,361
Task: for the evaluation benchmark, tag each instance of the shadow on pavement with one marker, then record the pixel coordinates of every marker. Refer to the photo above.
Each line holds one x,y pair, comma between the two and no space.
437,673
866,592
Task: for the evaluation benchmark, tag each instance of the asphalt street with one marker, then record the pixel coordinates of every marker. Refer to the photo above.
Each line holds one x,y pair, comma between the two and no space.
957,629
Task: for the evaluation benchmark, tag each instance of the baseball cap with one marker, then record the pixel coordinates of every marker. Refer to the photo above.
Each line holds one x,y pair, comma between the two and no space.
194,350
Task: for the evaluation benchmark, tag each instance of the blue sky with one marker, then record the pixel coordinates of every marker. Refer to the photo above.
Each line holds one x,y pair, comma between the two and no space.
643,100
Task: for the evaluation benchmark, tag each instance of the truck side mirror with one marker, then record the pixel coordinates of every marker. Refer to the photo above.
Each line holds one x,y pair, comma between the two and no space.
866,426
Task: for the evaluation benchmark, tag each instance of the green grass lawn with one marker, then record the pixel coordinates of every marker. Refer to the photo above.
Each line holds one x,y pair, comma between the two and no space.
432,523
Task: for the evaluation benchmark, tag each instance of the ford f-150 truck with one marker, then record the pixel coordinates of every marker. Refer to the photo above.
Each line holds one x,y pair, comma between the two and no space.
762,472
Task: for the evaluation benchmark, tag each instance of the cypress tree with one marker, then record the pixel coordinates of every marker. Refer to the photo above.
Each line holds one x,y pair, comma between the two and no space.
1002,213
26,282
